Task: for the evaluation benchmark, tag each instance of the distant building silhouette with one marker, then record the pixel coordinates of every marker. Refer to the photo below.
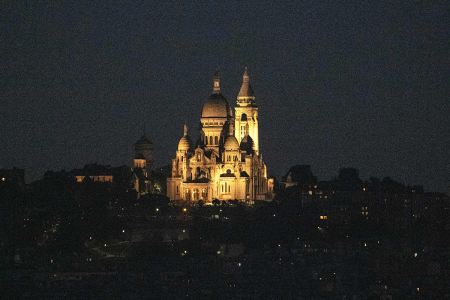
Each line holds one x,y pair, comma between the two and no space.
95,172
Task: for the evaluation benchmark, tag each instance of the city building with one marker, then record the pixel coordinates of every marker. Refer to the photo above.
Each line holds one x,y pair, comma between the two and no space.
95,172
225,162
143,162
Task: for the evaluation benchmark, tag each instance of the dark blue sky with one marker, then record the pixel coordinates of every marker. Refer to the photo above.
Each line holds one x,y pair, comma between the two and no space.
361,84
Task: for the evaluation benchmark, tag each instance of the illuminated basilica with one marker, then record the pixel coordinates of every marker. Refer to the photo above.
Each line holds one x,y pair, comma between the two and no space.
225,163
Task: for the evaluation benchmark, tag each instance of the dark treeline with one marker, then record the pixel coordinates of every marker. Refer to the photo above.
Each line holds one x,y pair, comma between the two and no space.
317,239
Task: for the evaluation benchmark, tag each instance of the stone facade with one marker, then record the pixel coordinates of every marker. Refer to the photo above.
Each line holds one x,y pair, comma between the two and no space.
225,163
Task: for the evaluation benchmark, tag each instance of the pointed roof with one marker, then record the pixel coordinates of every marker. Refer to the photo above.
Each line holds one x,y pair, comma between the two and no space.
246,89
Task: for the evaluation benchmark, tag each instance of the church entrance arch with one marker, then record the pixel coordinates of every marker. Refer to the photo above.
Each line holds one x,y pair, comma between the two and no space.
196,194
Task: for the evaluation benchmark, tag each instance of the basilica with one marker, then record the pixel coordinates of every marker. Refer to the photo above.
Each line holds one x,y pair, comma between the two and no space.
225,163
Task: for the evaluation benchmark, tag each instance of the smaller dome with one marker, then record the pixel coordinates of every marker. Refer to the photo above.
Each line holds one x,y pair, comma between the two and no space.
231,143
144,140
185,143
247,144
139,156
144,143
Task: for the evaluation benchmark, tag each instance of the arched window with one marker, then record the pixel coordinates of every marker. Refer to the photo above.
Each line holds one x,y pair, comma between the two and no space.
244,117
228,188
222,188
206,140
216,140
225,187
211,140
177,189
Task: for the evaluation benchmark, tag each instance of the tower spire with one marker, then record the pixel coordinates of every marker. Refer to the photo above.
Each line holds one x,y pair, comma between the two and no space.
246,96
246,78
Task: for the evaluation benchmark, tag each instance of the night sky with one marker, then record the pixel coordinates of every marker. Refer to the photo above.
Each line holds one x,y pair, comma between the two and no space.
361,84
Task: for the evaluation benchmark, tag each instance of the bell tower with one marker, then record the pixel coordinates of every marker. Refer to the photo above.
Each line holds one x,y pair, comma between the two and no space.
246,113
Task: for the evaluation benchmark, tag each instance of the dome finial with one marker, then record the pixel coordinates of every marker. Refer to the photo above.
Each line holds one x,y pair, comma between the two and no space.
185,129
246,77
216,89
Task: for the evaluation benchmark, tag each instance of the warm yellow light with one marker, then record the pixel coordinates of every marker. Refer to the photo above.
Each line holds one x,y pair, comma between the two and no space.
123,230
321,217
364,189
157,209
365,244
51,261
184,209
3,179
218,252
417,289
310,192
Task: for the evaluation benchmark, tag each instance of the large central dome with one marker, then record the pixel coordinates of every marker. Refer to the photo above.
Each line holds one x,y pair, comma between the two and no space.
216,107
